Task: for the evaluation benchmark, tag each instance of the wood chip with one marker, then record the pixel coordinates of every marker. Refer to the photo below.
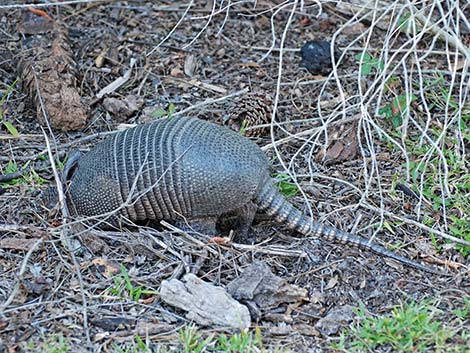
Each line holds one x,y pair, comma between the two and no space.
332,283
343,147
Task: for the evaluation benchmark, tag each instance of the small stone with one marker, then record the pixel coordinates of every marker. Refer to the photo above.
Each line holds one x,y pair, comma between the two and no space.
335,320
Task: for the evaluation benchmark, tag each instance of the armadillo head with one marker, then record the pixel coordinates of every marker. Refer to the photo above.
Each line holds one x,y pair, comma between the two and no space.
50,196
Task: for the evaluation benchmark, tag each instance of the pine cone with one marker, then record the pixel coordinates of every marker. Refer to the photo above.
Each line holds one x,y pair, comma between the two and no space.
250,111
46,65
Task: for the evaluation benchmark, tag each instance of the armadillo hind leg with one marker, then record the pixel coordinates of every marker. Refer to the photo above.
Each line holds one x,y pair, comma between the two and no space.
245,216
274,204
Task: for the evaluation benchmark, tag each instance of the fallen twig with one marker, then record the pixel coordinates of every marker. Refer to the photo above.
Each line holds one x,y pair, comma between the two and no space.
113,86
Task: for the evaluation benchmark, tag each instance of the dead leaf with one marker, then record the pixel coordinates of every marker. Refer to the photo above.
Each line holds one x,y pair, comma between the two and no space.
143,328
101,336
250,64
393,264
3,324
306,330
275,317
219,240
94,243
47,66
356,28
113,86
459,65
332,282
208,86
22,294
107,267
305,21
39,12
176,72
148,300
326,24
99,61
13,348
343,147
190,65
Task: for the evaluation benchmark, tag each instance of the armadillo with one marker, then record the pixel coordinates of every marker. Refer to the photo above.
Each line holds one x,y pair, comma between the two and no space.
193,170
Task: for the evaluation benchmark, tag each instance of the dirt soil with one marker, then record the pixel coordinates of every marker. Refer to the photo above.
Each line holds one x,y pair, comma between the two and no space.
206,57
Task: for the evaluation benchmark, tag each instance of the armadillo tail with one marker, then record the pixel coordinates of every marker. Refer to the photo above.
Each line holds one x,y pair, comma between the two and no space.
274,204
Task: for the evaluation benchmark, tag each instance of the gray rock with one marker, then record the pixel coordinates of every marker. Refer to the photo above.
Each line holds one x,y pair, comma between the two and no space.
205,303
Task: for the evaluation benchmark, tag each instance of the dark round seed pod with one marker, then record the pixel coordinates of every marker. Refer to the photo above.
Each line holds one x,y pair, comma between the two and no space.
316,57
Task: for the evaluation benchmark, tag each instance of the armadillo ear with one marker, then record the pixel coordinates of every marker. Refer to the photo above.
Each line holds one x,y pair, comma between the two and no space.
70,166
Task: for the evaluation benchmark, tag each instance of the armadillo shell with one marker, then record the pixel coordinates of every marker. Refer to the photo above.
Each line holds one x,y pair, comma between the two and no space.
171,168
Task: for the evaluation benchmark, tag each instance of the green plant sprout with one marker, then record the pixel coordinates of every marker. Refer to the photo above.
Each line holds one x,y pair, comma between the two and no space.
285,185
397,108
161,112
124,287
9,126
368,63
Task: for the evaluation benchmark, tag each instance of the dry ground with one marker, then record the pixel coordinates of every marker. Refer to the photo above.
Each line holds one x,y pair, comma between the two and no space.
57,293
